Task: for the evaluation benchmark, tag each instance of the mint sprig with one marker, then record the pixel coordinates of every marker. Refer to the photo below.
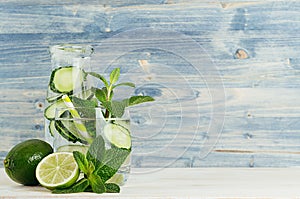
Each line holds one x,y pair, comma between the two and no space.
79,186
98,166
105,95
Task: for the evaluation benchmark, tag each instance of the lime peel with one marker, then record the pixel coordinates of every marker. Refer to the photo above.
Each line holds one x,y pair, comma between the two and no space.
57,170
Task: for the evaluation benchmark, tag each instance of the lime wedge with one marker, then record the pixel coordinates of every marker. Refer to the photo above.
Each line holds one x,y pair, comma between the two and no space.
57,170
117,135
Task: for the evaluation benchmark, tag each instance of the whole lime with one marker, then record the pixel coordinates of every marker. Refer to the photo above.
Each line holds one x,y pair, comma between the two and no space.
22,160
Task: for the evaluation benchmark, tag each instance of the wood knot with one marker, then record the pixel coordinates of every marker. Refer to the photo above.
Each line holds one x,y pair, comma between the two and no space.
39,105
241,54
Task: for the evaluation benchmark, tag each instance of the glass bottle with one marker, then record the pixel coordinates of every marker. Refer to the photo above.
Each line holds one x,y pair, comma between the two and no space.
67,56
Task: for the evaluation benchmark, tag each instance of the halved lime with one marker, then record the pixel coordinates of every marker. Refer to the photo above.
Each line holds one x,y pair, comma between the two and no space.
57,170
117,135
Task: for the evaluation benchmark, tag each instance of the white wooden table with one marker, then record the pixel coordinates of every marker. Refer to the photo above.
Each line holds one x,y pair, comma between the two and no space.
185,183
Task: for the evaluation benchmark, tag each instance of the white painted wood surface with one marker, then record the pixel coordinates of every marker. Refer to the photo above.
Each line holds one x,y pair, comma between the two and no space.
185,183
254,44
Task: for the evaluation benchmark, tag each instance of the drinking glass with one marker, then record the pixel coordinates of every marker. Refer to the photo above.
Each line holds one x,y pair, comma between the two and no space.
75,128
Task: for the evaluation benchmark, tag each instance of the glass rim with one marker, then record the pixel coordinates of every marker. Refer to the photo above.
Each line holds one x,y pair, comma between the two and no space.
80,49
60,110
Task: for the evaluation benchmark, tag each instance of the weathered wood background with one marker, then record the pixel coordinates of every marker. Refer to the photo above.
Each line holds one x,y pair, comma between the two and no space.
239,88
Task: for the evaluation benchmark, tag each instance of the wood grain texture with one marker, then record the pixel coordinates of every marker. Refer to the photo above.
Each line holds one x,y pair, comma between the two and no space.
182,183
254,45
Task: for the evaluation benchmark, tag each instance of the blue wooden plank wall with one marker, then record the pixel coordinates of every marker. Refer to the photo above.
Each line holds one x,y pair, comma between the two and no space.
225,75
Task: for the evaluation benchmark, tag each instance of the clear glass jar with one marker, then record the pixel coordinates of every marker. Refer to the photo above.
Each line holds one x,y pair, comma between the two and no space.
77,59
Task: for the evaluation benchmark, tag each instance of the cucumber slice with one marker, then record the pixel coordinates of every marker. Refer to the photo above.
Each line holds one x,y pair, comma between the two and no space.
64,132
52,129
65,79
58,126
49,112
70,127
124,123
54,98
117,135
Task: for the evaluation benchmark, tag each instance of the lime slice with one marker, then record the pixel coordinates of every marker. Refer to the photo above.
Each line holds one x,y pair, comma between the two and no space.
70,148
57,170
117,135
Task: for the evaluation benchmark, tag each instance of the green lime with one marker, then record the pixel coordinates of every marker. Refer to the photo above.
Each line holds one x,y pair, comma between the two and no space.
22,160
57,170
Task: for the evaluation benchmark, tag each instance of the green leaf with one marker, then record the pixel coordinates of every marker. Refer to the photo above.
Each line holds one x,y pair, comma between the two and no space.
114,76
112,188
96,151
88,189
82,162
90,126
96,183
114,158
78,102
102,78
139,99
116,108
124,84
101,94
91,167
107,105
79,186
84,107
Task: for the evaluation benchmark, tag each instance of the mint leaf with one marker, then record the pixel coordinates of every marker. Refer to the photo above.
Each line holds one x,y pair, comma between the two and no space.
112,188
114,75
96,183
90,126
82,162
113,160
96,151
124,84
78,102
86,108
101,94
139,99
116,108
79,186
107,105
102,78
91,167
